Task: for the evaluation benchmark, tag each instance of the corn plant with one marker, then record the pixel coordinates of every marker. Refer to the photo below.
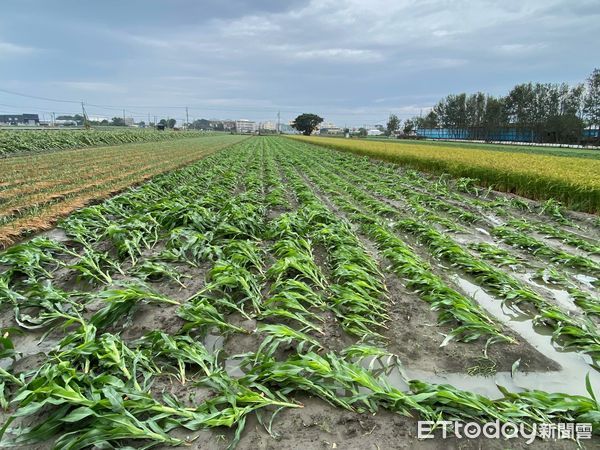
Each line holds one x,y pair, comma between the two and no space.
235,280
156,270
43,305
95,266
121,301
32,259
518,239
201,315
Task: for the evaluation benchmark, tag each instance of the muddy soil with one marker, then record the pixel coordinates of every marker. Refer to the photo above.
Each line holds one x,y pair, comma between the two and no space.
320,426
415,337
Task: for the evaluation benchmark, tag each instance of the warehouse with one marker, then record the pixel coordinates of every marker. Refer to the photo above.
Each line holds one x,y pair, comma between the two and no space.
19,119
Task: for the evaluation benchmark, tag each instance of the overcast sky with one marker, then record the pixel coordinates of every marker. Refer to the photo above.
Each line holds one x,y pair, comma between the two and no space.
351,61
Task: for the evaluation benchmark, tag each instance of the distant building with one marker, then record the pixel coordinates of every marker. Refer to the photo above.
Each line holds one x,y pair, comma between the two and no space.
268,126
287,129
374,132
65,123
244,126
331,130
129,122
593,131
20,119
221,125
229,125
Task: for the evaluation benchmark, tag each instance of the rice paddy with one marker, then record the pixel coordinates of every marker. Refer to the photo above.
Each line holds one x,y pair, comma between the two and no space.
271,293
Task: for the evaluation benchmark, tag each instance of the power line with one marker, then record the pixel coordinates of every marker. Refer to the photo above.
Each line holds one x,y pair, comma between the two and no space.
195,107
131,108
37,97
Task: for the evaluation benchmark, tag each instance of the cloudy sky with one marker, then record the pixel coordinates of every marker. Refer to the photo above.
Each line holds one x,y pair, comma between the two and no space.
351,61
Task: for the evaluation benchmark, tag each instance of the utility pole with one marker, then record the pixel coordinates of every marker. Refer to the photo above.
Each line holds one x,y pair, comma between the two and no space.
187,118
85,119
148,119
53,119
124,117
278,122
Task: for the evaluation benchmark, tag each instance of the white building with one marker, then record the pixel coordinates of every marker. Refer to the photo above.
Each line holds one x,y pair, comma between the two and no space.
245,126
268,126
329,128
327,125
374,132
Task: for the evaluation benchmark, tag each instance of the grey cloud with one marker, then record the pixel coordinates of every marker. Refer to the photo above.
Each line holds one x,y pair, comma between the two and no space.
343,58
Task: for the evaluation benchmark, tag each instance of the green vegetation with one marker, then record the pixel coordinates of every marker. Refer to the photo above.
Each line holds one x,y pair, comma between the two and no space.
261,273
572,181
13,142
36,190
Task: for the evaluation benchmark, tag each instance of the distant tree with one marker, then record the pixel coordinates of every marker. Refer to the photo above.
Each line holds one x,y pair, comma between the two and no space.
573,101
409,126
520,105
220,127
306,123
201,124
543,112
104,122
452,111
171,123
393,124
117,122
362,132
142,124
429,121
162,122
495,116
591,107
564,128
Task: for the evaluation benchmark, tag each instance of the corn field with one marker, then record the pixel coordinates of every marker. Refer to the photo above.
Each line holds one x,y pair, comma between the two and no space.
274,293
34,141
36,190
574,181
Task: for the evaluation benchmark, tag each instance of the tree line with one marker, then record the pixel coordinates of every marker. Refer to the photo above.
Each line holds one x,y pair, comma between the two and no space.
543,112
79,120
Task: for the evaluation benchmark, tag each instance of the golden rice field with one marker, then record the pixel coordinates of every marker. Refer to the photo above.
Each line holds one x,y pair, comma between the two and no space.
36,190
573,181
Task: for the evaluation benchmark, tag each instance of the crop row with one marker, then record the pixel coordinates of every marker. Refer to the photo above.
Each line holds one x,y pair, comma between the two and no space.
403,190
269,250
571,332
37,190
33,141
573,181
